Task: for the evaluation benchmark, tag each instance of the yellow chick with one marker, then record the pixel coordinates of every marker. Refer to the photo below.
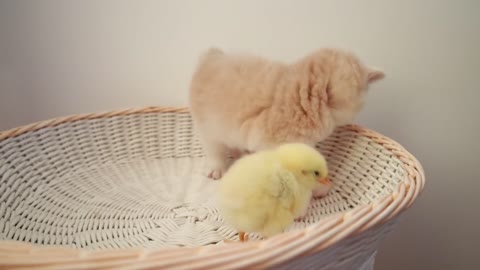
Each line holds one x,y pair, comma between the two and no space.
264,192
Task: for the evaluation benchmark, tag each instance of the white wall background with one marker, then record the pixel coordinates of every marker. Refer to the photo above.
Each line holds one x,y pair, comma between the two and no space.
66,57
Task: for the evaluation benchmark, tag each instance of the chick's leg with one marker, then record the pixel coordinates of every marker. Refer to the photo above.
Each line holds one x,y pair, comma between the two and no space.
242,236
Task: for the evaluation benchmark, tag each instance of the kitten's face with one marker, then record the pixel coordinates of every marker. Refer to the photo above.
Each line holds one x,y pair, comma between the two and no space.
347,87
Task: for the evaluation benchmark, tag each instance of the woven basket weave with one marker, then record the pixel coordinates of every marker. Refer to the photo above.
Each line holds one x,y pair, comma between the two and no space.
127,190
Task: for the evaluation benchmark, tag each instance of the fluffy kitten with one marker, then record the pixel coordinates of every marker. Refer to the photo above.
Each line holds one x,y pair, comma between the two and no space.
242,102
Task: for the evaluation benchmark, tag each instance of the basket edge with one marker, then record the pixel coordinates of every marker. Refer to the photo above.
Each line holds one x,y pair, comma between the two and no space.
52,122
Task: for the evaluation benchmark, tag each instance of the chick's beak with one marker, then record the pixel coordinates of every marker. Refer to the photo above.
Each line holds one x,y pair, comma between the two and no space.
324,180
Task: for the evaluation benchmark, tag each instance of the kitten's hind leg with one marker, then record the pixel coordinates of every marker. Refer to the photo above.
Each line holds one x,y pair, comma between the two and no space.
237,153
216,155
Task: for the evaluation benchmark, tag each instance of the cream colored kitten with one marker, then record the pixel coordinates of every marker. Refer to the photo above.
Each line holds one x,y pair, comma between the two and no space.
242,102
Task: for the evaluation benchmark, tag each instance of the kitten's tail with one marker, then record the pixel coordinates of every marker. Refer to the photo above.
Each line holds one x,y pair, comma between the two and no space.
214,51
211,52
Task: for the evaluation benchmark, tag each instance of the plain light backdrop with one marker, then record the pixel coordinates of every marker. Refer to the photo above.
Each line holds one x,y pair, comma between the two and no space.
66,57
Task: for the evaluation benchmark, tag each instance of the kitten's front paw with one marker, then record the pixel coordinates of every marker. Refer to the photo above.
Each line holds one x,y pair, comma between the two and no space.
322,190
215,174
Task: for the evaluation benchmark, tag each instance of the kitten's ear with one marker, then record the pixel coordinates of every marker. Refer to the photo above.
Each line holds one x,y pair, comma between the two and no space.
374,74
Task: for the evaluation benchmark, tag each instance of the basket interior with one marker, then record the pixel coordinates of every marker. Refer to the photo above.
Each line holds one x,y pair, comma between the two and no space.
138,180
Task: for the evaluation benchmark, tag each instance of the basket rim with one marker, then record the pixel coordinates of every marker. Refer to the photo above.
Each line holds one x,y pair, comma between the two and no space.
251,255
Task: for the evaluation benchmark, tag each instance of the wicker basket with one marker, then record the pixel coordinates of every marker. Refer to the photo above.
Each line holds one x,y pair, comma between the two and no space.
126,190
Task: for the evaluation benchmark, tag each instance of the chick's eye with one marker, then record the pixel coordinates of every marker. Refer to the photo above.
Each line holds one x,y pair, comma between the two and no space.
316,173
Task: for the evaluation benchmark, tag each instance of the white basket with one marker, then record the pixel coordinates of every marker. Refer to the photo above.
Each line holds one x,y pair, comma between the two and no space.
126,190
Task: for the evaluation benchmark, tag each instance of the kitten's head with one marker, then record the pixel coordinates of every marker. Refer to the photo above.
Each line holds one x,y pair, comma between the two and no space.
343,82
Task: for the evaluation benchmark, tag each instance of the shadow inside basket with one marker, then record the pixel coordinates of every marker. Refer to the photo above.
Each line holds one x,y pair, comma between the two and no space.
139,181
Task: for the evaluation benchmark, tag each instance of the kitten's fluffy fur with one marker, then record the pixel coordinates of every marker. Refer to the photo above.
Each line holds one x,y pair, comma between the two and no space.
247,103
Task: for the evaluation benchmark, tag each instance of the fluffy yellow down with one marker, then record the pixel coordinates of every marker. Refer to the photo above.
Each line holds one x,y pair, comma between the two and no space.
265,191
